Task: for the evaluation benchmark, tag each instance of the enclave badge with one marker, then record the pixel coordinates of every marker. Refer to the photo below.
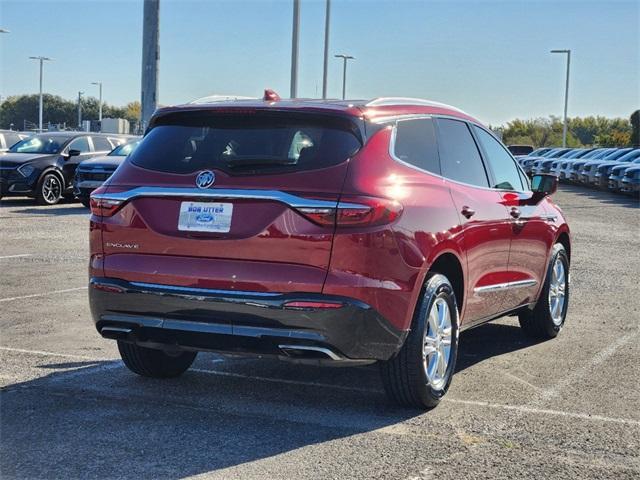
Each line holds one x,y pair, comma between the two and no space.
205,179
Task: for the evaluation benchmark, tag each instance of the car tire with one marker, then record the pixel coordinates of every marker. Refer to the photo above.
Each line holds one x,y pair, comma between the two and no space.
85,202
149,362
49,189
409,377
548,316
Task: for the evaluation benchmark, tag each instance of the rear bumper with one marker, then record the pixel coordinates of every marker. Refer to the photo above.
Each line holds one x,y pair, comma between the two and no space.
241,322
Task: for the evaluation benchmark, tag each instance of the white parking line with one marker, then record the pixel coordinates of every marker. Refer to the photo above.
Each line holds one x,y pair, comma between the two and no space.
578,373
9,299
53,354
285,381
16,256
499,406
545,411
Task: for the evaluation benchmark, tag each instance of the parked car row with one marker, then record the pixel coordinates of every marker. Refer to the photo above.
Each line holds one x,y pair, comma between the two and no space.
615,169
43,166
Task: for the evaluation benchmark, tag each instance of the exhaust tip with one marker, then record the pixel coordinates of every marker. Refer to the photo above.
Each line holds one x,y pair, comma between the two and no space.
115,333
308,352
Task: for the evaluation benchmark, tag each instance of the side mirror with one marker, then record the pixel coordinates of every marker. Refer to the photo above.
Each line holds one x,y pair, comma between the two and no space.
73,153
543,185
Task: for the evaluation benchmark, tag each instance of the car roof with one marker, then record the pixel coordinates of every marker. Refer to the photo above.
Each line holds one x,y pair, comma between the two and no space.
371,109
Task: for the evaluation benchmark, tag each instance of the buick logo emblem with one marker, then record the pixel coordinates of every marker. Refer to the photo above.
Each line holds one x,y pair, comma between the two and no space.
205,179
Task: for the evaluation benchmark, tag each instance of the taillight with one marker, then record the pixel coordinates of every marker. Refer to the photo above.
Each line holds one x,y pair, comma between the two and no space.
356,212
101,206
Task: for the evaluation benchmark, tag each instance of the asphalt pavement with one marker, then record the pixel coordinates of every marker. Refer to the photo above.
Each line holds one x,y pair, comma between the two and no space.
567,408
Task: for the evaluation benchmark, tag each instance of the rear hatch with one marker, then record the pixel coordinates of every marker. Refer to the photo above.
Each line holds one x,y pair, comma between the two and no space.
231,200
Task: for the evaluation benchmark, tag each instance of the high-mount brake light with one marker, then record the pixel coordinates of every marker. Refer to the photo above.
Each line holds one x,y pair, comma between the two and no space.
356,212
103,207
270,95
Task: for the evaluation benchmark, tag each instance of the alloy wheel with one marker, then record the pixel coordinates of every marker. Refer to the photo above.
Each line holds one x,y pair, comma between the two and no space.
436,347
557,289
51,189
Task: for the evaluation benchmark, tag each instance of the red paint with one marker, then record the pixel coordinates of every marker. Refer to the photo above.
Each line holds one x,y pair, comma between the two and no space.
380,256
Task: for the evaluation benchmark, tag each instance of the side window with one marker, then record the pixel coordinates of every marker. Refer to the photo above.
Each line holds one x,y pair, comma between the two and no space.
503,166
459,155
11,139
101,144
416,144
116,141
81,144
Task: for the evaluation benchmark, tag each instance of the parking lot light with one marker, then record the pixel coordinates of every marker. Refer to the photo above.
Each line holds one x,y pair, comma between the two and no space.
42,60
566,95
345,58
100,102
80,110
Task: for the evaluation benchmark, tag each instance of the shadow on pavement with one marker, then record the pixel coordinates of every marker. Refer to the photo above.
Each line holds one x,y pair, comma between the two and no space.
96,419
490,340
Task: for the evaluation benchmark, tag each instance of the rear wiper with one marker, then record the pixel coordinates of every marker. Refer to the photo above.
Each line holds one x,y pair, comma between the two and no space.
256,161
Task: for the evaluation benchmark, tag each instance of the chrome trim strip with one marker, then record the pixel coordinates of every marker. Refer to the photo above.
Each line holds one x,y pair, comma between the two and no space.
326,351
289,199
206,291
505,286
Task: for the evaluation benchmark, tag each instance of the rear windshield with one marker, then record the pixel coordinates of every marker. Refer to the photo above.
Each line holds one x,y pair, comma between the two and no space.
247,144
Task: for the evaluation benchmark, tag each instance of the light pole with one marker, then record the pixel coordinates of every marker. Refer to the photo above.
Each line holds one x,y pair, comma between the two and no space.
80,110
100,102
41,60
327,17
566,95
150,59
345,58
295,37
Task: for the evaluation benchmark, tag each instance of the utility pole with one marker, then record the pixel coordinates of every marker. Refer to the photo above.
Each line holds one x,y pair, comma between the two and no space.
295,37
150,59
566,95
345,58
40,107
99,102
80,110
327,22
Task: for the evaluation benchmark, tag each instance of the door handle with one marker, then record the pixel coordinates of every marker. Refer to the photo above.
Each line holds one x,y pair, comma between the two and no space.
467,212
515,212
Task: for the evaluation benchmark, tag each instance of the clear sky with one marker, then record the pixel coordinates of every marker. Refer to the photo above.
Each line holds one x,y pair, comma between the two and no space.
490,58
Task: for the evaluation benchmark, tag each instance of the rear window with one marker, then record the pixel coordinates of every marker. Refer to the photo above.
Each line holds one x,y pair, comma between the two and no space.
245,144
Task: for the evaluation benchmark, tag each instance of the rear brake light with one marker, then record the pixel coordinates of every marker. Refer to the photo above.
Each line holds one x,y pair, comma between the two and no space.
356,212
104,207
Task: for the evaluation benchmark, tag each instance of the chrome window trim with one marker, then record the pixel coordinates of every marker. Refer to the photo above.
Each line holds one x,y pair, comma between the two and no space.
392,142
289,199
504,286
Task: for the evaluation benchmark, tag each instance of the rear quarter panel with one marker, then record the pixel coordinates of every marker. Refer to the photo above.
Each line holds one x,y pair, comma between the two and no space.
386,266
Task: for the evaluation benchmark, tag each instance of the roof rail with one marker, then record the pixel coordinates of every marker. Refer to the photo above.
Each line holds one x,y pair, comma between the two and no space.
219,98
388,101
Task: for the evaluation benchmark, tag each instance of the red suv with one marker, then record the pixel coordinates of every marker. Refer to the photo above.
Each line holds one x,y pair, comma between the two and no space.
337,232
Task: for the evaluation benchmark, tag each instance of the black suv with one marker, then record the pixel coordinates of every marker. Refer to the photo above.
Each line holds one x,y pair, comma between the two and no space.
43,166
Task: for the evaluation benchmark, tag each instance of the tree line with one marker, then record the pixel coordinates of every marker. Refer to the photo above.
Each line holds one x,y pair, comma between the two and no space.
20,110
581,131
